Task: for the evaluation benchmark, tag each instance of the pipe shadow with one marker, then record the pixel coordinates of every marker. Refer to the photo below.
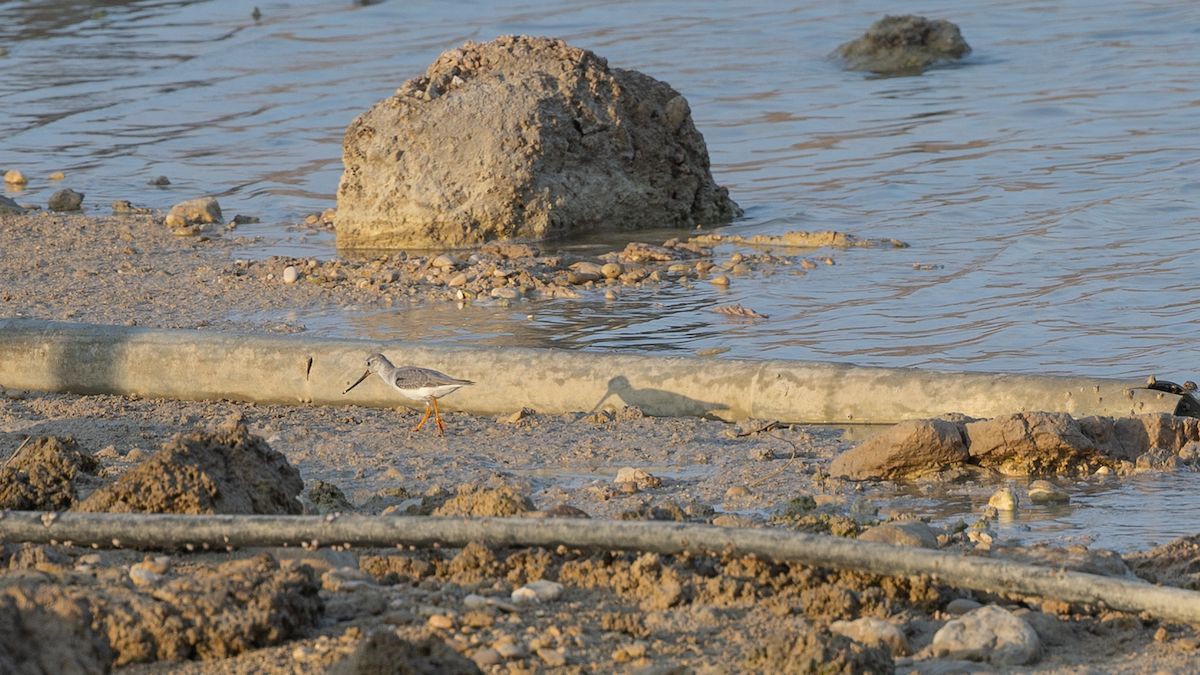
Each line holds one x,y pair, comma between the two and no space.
657,402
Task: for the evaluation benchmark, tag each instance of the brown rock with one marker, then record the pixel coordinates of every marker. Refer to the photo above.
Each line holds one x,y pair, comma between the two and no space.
491,501
224,471
523,137
194,212
1032,443
907,449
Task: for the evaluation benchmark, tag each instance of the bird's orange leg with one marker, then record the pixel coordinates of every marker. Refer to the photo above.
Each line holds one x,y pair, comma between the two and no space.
438,418
427,411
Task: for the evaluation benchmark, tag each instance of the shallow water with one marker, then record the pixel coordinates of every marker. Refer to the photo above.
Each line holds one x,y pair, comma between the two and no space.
1050,180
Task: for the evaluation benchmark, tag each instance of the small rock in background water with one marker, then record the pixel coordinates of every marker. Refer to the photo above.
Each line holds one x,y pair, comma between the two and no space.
161,180
14,177
1045,492
1005,499
66,199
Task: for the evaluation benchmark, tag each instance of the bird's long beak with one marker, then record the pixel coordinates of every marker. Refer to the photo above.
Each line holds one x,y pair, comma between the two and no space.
364,376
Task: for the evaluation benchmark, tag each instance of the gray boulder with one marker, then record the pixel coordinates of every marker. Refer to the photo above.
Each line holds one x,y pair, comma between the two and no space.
991,634
525,138
897,45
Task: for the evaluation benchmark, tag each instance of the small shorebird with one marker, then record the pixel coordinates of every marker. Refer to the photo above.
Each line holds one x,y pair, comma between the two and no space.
415,384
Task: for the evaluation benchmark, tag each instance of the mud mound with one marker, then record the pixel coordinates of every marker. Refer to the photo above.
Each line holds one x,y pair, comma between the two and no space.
1174,564
214,612
819,651
35,641
523,137
41,476
386,654
225,471
497,499
903,44
329,498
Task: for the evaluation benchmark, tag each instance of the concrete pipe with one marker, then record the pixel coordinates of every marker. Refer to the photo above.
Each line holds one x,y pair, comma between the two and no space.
300,369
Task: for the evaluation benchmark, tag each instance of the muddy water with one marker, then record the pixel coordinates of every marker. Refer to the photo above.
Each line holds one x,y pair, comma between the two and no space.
1049,182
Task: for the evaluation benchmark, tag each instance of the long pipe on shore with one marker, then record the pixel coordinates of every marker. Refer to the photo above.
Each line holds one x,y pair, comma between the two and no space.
170,531
300,369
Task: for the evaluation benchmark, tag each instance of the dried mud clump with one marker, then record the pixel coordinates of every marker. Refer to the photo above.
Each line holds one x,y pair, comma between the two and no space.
41,477
523,137
495,500
819,651
211,613
328,498
385,652
1174,564
36,641
228,470
897,45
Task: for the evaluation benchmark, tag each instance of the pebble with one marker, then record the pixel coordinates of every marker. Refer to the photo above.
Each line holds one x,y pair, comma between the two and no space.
1045,492
960,606
109,452
14,177
443,261
737,491
551,657
398,618
457,280
328,215
57,175
157,565
161,180
720,281
290,274
612,270
524,596
506,293
312,219
736,258
441,621
578,278
1005,499
545,590
141,576
135,455
473,601
66,199
486,657
874,632
510,650
15,394
186,231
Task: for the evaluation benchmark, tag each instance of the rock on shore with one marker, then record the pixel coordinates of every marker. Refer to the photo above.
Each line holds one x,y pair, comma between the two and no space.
523,137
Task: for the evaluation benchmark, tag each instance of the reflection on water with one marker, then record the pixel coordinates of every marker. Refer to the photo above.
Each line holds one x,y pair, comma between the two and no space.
1122,514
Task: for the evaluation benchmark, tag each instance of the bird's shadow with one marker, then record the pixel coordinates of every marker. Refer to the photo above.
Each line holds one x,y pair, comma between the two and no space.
656,402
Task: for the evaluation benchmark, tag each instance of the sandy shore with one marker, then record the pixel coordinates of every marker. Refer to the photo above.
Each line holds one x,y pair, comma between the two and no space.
728,614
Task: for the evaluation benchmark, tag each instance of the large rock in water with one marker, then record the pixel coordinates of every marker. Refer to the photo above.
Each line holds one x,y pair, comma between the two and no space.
528,138
898,45
906,450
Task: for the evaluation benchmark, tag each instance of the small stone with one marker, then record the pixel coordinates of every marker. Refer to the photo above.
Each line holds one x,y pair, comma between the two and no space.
1005,499
991,634
441,621
66,199
474,601
509,650
290,274
902,533
551,657
720,280
874,632
546,591
312,219
736,258
1045,492
960,606
737,491
15,394
346,579
195,211
457,280
506,293
110,452
135,455
398,618
612,270
578,278
14,177
161,180
733,520
141,576
57,175
443,261
328,215
486,657
524,596
186,230
639,477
